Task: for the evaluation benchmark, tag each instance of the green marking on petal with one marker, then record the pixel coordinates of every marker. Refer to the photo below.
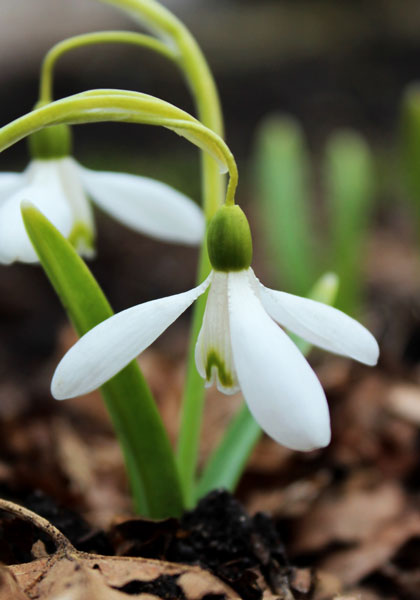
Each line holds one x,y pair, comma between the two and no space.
82,238
215,360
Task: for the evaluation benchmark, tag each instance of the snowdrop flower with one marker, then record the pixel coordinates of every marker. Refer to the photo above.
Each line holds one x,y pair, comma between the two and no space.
59,187
240,345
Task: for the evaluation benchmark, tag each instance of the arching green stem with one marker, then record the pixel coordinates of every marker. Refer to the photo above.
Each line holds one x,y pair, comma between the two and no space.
131,107
190,59
90,39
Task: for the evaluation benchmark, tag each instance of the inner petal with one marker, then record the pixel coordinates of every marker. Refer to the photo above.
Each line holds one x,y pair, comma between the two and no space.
213,352
83,231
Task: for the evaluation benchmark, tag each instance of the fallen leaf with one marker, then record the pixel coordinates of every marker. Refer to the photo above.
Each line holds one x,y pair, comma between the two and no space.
356,563
69,574
349,516
9,587
404,402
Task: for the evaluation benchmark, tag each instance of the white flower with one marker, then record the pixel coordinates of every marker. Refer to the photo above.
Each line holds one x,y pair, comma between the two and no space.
240,347
59,188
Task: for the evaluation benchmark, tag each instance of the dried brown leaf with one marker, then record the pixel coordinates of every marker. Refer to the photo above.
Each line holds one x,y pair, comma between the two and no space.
404,402
354,564
349,516
9,587
73,575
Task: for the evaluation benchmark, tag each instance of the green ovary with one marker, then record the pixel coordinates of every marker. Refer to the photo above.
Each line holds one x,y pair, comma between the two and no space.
214,360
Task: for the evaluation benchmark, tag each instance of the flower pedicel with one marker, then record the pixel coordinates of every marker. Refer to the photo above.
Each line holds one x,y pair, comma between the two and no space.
240,346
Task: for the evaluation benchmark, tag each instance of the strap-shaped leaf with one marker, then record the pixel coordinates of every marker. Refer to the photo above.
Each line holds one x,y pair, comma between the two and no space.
350,179
148,454
282,169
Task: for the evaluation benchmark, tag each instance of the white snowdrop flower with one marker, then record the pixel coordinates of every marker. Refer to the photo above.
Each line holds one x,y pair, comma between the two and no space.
61,189
240,345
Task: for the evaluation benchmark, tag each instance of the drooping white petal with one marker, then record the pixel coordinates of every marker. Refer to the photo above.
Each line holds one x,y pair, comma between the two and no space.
280,388
43,188
110,346
321,325
213,352
9,183
146,205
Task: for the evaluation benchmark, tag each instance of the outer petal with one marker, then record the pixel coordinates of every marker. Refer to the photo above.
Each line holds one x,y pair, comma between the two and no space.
279,386
321,325
9,183
44,189
110,346
145,205
213,352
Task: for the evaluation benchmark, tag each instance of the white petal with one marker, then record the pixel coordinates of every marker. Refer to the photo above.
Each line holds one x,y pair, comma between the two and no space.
321,325
146,205
110,346
9,183
213,352
44,189
279,386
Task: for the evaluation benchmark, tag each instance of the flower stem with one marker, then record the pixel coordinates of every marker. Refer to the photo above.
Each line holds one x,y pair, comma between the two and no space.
90,39
193,399
97,106
191,61
203,89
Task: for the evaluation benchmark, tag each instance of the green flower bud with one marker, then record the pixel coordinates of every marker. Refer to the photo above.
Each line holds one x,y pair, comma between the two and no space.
229,241
51,142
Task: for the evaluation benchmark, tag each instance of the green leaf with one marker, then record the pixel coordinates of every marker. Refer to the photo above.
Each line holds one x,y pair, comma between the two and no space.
226,464
148,454
410,145
282,190
350,193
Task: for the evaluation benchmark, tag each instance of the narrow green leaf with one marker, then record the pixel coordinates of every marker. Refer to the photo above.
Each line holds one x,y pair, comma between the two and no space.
350,193
410,146
149,457
226,464
282,189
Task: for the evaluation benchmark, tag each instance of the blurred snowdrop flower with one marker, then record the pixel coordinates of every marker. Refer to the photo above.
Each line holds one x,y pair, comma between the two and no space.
59,187
240,345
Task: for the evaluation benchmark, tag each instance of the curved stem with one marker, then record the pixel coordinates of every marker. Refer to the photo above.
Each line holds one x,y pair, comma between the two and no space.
174,34
114,105
90,39
200,81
